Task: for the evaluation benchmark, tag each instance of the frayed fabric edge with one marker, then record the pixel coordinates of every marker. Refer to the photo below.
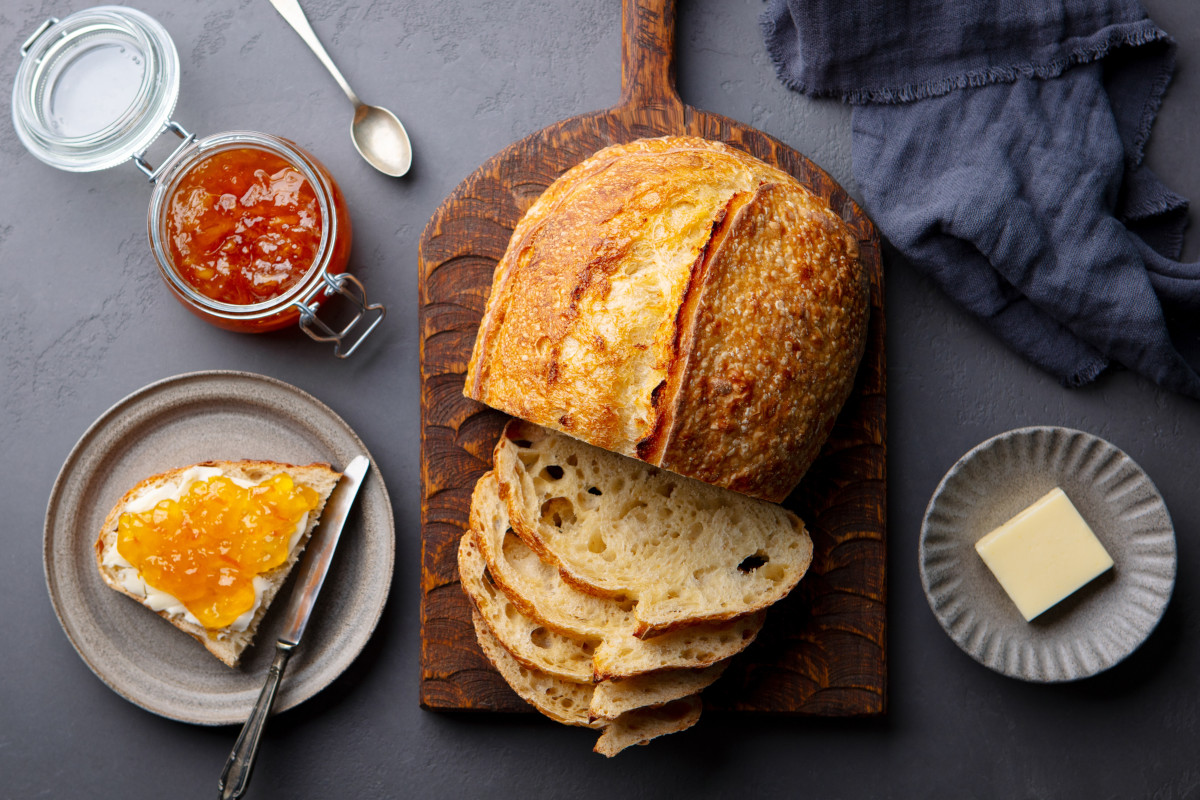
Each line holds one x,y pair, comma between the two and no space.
1086,374
1153,102
1138,34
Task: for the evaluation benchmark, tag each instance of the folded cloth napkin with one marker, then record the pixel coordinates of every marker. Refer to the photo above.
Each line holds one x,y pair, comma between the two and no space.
998,145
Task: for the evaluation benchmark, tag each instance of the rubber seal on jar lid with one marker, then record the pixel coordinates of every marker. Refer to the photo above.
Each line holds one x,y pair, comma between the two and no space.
95,88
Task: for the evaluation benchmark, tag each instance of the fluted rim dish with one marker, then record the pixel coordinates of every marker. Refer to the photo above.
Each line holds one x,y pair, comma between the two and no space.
1093,629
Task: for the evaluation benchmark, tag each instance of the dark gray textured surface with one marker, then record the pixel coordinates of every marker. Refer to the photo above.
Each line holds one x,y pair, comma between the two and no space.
87,320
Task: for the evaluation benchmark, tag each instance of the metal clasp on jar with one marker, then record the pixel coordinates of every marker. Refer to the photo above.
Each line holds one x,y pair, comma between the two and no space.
352,289
45,26
153,173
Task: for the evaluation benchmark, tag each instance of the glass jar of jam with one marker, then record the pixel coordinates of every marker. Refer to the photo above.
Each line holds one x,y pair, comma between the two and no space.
250,231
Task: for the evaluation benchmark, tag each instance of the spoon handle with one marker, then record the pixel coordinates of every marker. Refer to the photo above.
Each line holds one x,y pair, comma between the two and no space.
291,11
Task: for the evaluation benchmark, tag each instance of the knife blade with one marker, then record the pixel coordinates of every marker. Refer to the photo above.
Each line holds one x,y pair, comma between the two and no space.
316,561
309,580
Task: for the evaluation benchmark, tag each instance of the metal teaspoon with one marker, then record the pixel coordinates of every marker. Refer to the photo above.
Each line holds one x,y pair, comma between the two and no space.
377,133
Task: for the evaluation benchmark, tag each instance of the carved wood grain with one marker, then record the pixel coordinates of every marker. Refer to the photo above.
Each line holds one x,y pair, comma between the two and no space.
823,649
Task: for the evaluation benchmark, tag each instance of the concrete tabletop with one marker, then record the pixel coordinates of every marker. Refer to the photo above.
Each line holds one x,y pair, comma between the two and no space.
87,321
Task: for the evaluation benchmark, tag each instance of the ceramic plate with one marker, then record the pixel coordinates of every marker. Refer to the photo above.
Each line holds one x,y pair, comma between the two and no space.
1097,626
184,420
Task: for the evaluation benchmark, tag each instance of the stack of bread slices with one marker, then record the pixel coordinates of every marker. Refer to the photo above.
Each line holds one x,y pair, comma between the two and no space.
609,592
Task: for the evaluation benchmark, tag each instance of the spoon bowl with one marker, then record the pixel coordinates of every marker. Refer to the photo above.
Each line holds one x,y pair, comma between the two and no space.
378,135
380,138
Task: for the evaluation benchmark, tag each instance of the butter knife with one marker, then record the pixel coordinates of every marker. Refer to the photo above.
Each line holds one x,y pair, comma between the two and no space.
236,775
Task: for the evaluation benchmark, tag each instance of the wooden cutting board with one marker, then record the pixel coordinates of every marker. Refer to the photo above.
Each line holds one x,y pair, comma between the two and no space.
823,650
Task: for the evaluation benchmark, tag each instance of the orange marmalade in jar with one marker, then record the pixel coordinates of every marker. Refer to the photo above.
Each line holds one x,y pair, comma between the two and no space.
246,228
243,226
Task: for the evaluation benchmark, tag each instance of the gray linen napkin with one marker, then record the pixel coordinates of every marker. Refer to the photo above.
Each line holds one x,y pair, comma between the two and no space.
998,145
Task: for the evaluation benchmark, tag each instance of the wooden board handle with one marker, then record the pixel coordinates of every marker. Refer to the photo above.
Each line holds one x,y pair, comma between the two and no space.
648,53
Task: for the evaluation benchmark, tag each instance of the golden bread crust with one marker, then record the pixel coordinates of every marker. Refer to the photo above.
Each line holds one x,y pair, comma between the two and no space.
610,309
744,399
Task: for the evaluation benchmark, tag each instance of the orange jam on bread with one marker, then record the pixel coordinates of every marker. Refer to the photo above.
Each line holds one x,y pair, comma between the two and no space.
243,226
206,548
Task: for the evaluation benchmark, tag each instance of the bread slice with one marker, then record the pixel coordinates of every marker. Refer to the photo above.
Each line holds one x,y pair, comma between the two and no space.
644,724
530,643
561,700
226,643
568,702
678,301
612,699
555,655
687,552
538,591
561,656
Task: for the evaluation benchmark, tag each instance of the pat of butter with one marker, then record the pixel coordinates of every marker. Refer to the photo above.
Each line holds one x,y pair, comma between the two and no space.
1044,554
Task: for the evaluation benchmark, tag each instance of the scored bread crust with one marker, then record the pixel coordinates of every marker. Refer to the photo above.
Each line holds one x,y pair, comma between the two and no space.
539,592
771,352
682,302
224,643
687,552
570,703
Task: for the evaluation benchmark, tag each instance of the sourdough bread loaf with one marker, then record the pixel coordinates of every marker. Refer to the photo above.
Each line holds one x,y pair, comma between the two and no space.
678,301
226,643
686,552
539,592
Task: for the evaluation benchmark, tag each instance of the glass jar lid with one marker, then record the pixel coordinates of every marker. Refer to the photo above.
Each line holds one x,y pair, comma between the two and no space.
95,88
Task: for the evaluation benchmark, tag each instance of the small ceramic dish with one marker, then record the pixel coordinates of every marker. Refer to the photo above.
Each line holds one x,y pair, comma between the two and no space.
1097,626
